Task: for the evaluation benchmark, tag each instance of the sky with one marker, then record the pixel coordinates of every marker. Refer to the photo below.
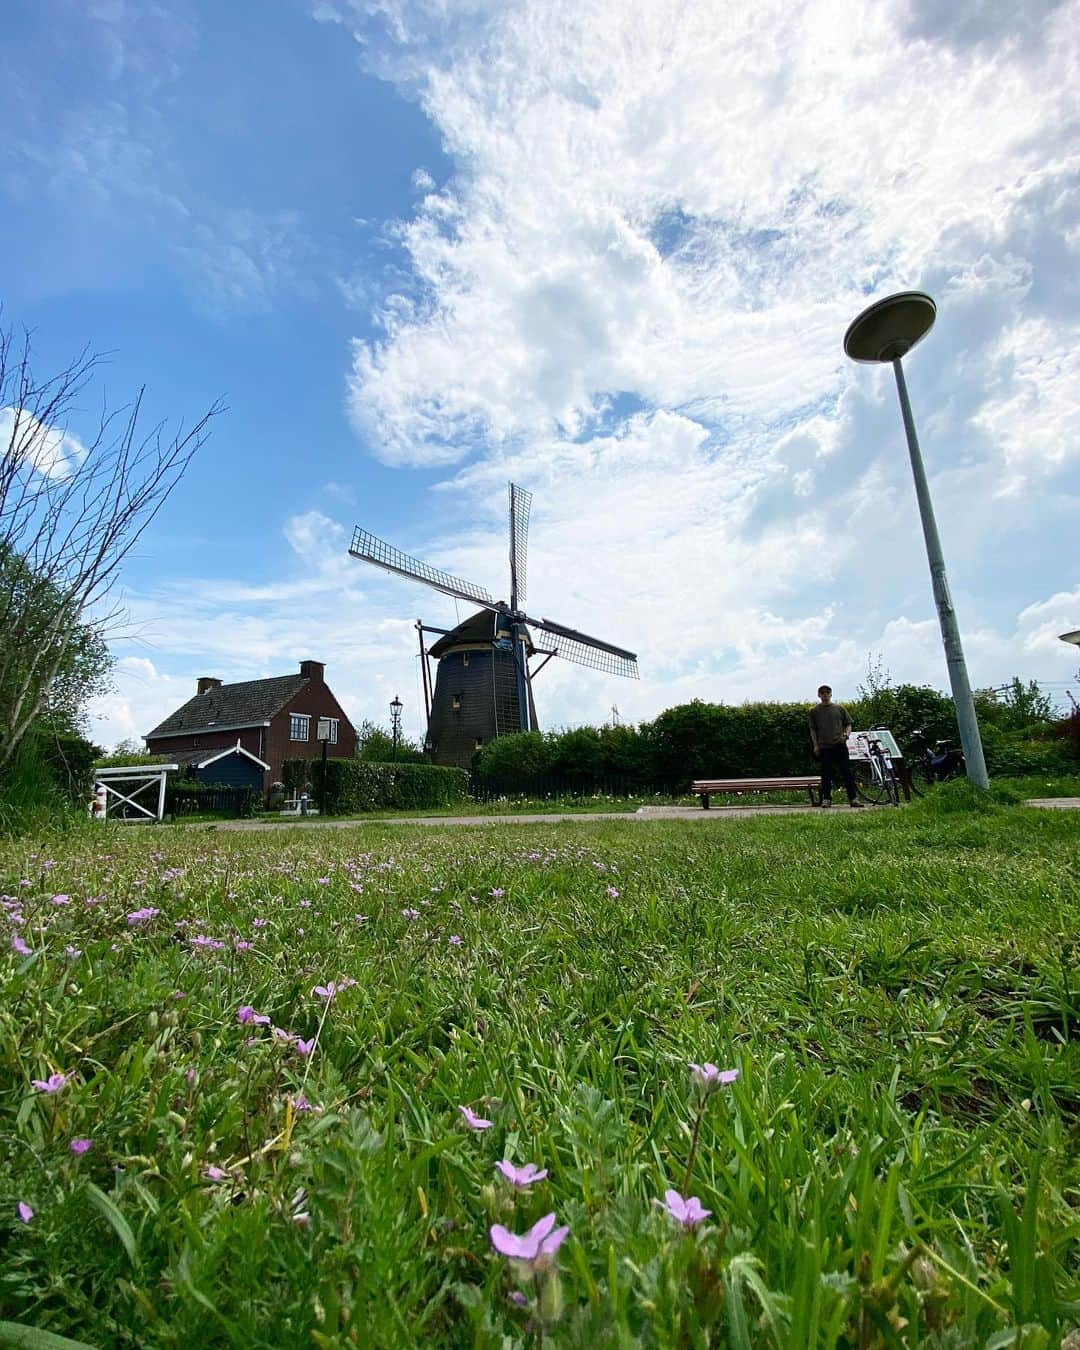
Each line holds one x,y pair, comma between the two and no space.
607,249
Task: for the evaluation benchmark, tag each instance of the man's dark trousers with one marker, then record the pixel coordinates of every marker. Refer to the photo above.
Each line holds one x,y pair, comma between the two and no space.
836,763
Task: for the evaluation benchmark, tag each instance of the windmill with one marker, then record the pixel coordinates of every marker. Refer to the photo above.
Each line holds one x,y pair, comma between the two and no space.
483,684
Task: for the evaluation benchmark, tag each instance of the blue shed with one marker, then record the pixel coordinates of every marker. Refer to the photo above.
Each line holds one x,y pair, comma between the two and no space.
232,767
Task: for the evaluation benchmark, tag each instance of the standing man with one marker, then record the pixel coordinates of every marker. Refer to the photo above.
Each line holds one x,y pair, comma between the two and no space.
830,727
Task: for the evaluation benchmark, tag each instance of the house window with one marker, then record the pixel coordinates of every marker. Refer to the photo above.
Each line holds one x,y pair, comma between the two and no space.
299,725
456,703
464,658
194,742
327,730
479,742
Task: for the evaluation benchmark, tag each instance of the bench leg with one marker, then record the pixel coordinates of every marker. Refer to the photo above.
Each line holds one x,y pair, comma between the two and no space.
813,801
705,801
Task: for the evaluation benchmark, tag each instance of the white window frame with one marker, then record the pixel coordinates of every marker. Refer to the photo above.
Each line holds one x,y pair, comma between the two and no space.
294,718
333,729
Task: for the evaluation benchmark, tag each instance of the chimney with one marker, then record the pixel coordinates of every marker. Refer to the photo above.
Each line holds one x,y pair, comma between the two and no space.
313,670
206,683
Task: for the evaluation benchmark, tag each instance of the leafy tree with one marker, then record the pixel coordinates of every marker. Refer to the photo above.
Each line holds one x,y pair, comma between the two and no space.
376,746
1017,707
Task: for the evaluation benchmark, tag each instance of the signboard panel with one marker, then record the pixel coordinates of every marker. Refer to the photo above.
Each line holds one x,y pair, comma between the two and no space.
858,747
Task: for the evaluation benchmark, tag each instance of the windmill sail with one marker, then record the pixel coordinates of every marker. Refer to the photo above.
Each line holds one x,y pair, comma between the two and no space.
369,549
520,503
588,651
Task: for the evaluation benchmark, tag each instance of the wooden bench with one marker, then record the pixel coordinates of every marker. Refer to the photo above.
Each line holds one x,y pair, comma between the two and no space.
704,787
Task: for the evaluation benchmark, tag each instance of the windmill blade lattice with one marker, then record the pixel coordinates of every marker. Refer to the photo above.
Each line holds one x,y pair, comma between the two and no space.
520,504
589,651
370,549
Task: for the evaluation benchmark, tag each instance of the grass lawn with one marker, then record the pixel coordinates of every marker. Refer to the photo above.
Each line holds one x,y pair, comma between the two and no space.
268,1041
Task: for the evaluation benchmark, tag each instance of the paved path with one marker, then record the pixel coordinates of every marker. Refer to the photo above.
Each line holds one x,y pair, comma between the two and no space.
547,818
643,813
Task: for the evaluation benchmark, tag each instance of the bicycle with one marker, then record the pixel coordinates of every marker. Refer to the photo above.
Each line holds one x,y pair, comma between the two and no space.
934,764
875,778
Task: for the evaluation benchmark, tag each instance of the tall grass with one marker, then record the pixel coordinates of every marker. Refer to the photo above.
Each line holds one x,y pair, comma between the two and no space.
31,801
894,1166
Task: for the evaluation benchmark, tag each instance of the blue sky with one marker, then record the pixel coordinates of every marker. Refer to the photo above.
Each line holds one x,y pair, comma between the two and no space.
608,249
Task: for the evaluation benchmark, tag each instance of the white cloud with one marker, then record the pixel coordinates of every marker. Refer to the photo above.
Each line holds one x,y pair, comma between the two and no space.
54,452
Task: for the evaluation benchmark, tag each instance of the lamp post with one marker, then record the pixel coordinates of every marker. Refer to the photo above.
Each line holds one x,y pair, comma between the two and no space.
887,331
323,734
395,722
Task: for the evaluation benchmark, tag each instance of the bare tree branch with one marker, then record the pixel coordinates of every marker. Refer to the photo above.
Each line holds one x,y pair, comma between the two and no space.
70,513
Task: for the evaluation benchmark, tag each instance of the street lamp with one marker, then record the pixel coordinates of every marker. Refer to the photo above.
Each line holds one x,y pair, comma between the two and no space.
322,733
887,331
395,722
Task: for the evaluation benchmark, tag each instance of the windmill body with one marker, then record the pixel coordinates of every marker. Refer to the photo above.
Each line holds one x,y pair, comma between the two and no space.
483,686
477,695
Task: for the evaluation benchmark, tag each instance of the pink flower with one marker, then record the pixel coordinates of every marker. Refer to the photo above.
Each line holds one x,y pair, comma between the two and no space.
259,923
19,946
521,1176
497,892
53,1083
410,914
81,1146
217,1174
61,900
25,1212
326,990
612,892
301,1103
243,946
709,1077
202,940
72,952
304,1048
455,940
143,915
687,1212
539,1244
247,1014
474,1121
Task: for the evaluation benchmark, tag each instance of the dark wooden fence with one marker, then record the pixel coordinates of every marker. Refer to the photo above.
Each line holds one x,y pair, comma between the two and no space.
223,801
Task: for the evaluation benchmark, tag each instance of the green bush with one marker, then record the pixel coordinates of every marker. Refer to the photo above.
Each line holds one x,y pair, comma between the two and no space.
1010,754
515,759
354,785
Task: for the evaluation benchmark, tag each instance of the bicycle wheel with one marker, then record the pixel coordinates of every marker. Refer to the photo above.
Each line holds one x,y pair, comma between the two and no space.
920,778
869,787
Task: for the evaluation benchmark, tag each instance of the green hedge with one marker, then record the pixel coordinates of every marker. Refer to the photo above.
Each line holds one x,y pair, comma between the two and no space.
353,785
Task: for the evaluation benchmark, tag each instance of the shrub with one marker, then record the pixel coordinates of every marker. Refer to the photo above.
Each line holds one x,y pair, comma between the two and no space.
353,785
1011,754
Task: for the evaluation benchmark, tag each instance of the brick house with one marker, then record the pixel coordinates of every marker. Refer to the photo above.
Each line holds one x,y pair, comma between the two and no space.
243,733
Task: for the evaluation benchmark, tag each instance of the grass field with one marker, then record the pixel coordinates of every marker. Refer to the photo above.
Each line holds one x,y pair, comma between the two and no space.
268,1041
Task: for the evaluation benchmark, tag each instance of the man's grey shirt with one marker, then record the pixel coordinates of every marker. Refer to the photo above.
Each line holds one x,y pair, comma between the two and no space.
830,721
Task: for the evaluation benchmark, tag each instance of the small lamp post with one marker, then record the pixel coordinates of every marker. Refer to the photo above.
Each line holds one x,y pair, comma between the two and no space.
395,722
887,331
323,735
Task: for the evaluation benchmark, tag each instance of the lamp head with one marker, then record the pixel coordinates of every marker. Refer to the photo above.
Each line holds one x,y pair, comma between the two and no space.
889,328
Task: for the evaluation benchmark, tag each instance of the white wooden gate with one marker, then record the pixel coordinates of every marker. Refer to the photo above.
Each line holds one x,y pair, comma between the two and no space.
135,779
